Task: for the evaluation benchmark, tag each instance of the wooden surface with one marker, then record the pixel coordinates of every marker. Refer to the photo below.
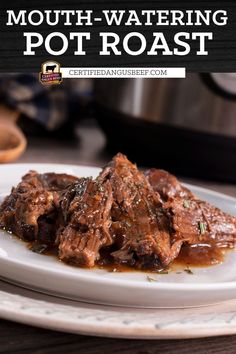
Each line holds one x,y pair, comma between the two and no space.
17,338
22,339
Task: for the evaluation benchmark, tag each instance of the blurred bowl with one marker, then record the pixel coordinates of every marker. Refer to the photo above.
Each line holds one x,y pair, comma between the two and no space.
12,140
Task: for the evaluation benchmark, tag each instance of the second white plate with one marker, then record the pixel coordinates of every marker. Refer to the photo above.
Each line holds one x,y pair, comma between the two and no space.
18,264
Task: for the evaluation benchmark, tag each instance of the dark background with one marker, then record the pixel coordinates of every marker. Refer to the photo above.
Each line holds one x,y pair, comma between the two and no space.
222,49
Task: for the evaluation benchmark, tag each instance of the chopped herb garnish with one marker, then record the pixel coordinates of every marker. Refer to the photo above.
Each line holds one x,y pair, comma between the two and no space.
163,271
202,227
161,211
150,279
128,223
187,270
113,270
186,204
38,248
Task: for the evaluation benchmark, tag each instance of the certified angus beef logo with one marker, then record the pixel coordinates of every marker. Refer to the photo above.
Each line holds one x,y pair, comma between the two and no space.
50,73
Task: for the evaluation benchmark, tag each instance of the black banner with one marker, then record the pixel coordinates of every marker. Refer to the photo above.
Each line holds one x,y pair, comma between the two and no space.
197,35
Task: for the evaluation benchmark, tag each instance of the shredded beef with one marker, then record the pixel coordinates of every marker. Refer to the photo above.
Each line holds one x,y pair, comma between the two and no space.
31,210
167,185
134,218
87,220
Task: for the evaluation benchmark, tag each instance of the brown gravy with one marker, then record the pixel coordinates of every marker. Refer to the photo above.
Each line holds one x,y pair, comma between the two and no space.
200,255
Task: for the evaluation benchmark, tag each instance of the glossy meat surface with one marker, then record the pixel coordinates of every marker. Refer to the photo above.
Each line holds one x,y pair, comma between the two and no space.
124,215
138,217
30,211
191,219
86,208
197,222
167,185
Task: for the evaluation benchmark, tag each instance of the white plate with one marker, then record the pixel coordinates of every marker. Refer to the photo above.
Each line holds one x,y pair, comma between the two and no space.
25,306
20,265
